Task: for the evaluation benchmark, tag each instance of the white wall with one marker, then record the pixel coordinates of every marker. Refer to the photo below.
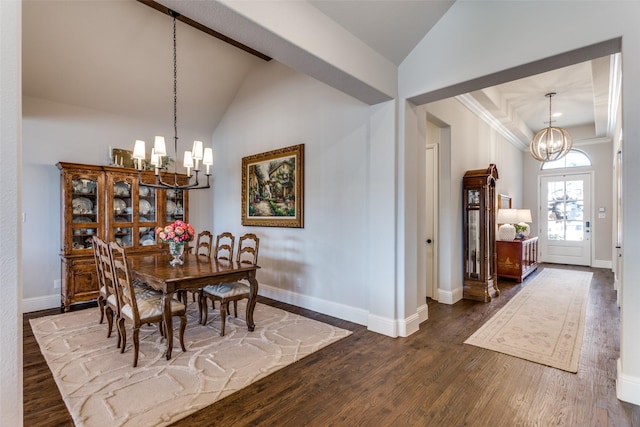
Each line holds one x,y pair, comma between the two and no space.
54,132
341,262
474,145
10,226
475,39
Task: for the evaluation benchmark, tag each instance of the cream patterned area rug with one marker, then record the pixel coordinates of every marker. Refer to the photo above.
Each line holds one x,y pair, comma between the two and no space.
101,388
543,323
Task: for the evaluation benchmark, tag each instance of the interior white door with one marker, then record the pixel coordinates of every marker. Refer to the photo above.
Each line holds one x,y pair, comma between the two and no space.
565,219
431,220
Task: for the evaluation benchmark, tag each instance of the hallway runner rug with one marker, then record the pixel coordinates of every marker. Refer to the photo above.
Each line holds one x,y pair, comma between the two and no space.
543,323
101,388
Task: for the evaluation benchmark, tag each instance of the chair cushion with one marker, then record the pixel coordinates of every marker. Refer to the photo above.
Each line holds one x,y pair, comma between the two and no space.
103,291
111,300
149,308
227,290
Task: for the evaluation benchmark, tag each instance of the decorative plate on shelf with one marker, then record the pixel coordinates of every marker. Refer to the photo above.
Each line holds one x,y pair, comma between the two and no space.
121,189
82,205
144,229
126,240
171,207
143,191
147,240
80,219
171,194
144,207
119,205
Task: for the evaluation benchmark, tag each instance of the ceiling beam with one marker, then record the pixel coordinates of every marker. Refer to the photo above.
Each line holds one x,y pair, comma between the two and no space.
197,25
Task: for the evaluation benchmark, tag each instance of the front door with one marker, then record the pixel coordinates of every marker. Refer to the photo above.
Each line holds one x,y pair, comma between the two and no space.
565,219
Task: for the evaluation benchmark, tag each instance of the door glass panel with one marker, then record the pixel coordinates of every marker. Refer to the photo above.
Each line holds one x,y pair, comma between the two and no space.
565,201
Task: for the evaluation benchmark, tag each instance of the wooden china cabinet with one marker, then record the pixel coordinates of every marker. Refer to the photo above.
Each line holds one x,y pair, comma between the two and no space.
107,201
479,229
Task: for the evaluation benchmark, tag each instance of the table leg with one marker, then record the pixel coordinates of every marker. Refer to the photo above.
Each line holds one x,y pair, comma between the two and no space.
251,304
168,323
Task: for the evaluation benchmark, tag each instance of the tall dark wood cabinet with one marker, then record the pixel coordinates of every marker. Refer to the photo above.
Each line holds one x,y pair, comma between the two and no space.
479,225
108,202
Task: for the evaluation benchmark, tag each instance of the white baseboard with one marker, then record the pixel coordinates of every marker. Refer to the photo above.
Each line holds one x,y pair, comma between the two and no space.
602,263
449,297
627,387
423,313
41,303
330,308
381,325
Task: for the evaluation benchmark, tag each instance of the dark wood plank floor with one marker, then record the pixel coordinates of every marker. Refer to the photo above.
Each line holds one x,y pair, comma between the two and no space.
428,379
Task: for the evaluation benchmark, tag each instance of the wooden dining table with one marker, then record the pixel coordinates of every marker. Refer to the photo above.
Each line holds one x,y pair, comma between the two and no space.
196,272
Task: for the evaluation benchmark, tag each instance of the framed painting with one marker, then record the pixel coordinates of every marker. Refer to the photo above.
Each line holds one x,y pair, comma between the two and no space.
504,201
273,188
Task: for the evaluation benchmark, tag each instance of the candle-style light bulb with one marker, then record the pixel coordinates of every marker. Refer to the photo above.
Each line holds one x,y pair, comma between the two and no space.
188,162
207,159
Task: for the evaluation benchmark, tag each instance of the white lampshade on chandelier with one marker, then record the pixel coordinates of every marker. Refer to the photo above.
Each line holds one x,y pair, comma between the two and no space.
192,159
550,143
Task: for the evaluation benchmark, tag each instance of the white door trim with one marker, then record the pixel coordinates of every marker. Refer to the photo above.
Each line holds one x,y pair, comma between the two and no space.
589,214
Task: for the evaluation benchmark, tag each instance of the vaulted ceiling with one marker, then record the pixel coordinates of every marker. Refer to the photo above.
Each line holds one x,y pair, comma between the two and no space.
116,57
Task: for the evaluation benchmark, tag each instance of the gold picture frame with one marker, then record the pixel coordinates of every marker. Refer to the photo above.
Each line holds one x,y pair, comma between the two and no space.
504,201
273,188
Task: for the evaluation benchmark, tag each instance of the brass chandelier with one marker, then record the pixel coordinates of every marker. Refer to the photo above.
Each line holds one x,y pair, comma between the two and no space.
192,158
550,143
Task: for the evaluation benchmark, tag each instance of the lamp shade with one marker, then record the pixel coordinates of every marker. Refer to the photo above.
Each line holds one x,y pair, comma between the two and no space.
188,159
507,216
159,146
196,152
524,215
138,150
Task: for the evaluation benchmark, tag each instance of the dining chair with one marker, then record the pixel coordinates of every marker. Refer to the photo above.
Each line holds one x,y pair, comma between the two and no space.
224,246
107,299
140,305
223,251
102,294
248,245
204,243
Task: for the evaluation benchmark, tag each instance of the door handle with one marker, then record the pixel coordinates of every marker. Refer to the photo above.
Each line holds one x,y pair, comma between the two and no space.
429,240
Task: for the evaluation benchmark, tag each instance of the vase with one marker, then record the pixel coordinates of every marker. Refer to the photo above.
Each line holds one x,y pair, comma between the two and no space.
176,250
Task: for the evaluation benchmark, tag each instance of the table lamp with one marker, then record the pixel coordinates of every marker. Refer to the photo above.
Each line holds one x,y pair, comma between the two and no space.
507,217
524,219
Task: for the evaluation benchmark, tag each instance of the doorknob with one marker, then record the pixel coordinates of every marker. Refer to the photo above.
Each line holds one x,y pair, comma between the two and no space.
428,240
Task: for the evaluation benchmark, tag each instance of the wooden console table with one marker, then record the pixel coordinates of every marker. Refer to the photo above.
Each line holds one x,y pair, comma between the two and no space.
517,258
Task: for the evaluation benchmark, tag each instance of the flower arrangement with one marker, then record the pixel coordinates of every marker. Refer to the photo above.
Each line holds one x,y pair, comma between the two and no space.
178,232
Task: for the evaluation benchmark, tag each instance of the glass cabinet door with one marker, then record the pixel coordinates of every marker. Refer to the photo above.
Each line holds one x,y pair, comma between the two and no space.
147,216
122,213
174,205
473,252
85,210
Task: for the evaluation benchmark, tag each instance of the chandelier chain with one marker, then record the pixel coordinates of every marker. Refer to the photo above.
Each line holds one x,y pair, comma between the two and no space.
159,182
175,91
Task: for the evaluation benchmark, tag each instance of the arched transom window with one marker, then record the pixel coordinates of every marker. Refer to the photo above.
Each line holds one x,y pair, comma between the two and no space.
574,158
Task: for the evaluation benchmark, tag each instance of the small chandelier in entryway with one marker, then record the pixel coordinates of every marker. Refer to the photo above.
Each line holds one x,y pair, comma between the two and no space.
550,143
